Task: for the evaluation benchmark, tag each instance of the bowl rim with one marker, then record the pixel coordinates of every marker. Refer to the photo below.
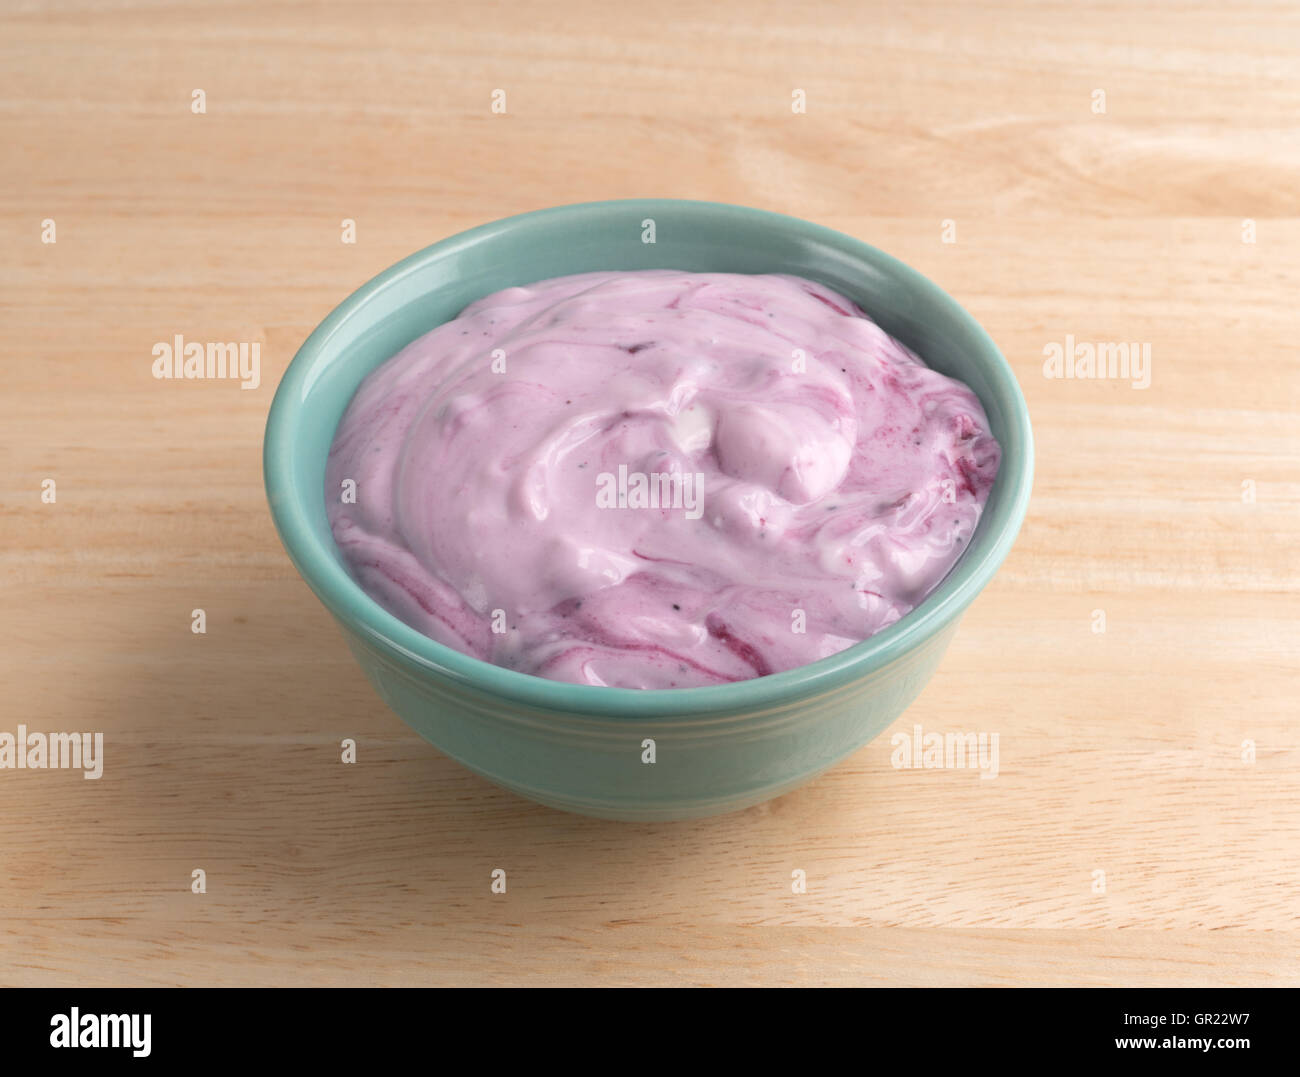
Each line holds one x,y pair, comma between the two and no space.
357,612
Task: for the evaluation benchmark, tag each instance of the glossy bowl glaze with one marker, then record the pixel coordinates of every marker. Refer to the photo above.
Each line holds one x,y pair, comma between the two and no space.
578,747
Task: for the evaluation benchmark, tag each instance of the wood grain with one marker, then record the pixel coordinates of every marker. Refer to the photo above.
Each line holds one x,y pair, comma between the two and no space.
1121,752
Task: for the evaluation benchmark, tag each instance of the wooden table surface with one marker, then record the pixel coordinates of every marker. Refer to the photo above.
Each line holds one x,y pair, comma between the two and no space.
1145,824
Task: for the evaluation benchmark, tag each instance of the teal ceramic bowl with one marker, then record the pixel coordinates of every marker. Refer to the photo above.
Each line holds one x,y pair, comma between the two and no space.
577,747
